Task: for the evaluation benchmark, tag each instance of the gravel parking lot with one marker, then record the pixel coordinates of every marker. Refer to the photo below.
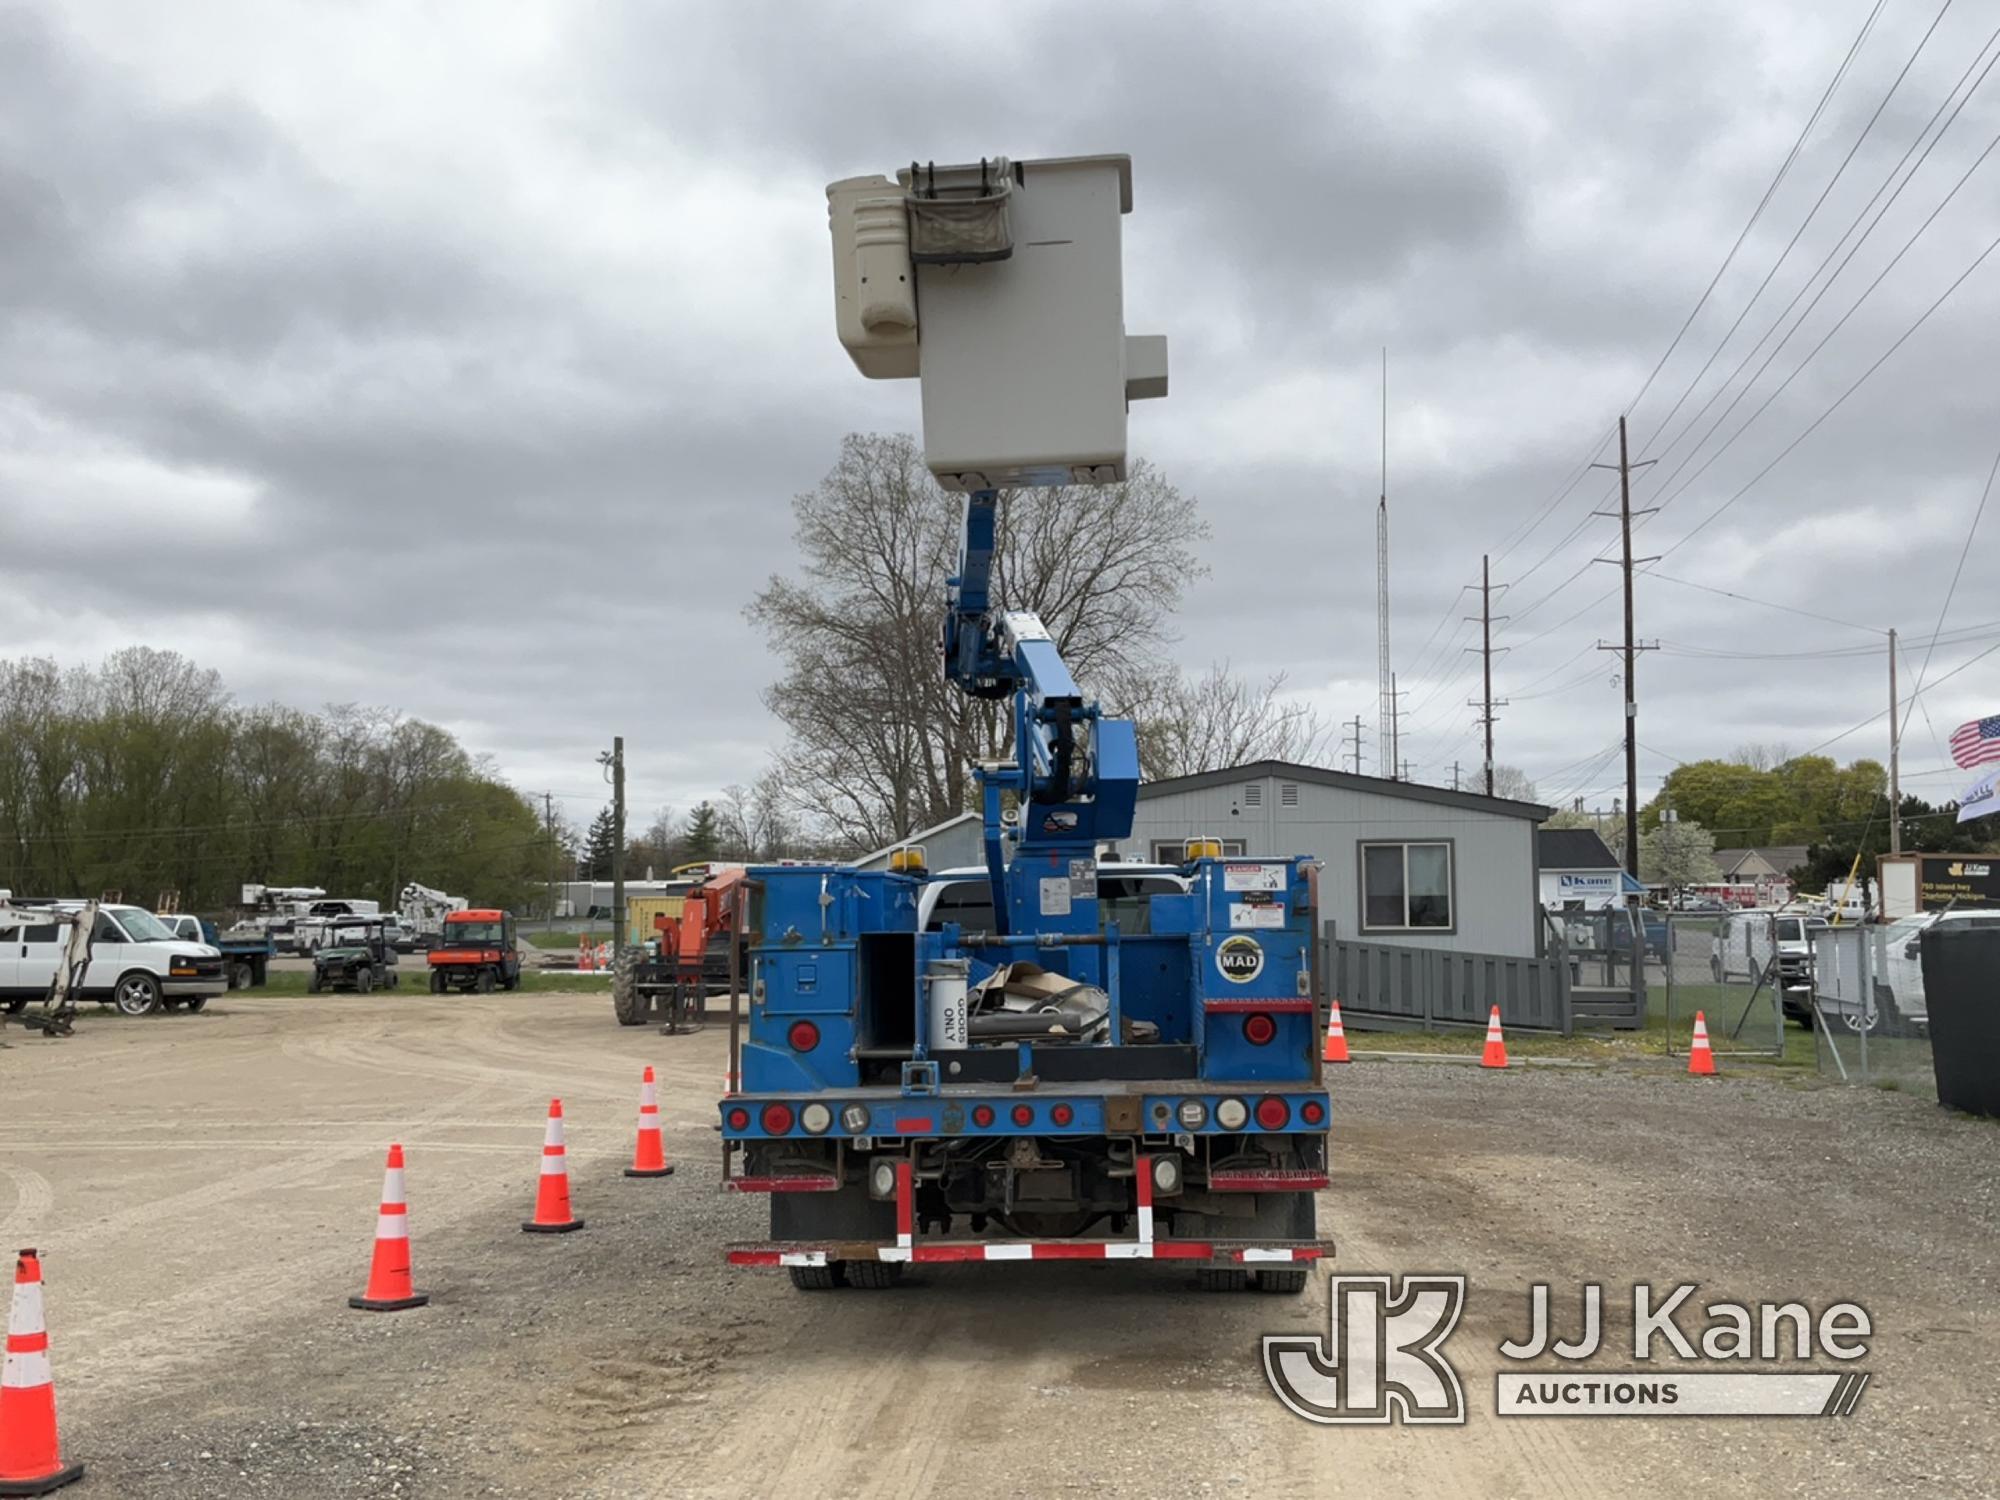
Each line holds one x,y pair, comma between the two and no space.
203,1189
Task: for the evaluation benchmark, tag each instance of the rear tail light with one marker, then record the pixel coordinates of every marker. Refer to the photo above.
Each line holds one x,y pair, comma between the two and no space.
804,1036
1192,1114
1232,1114
1272,1113
1259,1029
854,1119
739,1119
778,1118
1023,1115
1062,1114
1167,1174
982,1115
1312,1112
816,1118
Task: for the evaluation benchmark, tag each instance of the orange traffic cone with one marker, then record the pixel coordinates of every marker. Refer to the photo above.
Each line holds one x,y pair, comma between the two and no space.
583,962
389,1288
1701,1057
649,1157
1495,1055
552,1212
1336,1039
30,1459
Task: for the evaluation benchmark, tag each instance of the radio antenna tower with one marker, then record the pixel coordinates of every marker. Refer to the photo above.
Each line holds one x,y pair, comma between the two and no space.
1385,728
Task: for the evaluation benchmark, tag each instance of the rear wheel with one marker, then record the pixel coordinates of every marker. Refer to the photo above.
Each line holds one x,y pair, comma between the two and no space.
484,984
1286,1283
1221,1279
874,1275
437,981
170,1005
16,1006
239,976
137,995
817,1278
313,983
195,1004
364,981
631,1007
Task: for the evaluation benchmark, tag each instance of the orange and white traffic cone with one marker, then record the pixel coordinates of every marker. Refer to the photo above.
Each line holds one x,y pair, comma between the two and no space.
30,1458
552,1211
649,1157
389,1288
1336,1039
583,955
1495,1055
1701,1057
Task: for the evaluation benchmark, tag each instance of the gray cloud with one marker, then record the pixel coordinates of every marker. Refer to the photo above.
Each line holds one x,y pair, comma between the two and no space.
481,389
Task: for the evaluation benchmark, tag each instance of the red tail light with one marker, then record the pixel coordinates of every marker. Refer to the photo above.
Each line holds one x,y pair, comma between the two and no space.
982,1115
804,1036
1023,1115
1273,1113
1062,1114
778,1118
1259,1029
739,1119
1311,1112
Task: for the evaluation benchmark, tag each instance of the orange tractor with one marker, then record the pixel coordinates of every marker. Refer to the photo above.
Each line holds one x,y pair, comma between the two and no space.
691,957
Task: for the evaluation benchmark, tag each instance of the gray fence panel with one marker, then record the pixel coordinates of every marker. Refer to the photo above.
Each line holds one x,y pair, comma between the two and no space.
1390,984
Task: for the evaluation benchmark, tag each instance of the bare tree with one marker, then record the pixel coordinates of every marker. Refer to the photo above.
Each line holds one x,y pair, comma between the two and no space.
1512,783
1193,724
879,744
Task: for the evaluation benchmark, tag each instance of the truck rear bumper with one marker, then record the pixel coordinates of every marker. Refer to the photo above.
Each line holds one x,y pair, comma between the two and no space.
1225,1253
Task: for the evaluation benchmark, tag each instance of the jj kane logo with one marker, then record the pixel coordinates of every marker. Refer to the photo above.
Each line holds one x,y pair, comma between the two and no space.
1383,1357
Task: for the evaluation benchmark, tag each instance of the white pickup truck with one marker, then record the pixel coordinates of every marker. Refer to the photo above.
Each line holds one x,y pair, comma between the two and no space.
136,963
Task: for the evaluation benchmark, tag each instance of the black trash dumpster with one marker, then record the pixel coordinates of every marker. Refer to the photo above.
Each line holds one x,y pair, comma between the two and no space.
1962,993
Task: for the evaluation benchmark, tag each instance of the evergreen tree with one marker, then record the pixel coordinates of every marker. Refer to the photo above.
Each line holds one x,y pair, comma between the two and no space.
598,846
704,833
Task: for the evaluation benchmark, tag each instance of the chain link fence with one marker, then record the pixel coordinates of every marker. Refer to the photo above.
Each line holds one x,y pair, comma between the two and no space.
1871,1023
1736,971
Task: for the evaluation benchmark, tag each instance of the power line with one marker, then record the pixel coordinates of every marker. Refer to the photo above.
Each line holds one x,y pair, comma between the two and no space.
1956,573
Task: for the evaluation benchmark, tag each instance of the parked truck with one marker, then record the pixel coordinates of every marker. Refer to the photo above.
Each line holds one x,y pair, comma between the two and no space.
1070,1078
246,956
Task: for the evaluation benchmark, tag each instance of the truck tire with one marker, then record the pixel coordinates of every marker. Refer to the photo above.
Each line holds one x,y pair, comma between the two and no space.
195,1003
818,1278
484,984
137,994
1221,1279
1288,1282
631,1007
874,1275
16,1006
239,975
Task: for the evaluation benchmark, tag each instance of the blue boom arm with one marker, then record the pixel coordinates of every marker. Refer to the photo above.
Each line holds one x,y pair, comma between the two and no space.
1075,773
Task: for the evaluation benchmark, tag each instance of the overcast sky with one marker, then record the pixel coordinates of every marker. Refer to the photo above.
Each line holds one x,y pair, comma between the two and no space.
464,358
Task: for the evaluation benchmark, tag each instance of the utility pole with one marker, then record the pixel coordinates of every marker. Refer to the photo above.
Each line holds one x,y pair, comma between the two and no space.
1486,703
1895,754
615,762
1454,776
549,824
1391,752
1631,648
1385,687
1354,730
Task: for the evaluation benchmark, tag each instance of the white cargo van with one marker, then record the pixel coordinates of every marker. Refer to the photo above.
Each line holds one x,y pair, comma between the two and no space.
136,963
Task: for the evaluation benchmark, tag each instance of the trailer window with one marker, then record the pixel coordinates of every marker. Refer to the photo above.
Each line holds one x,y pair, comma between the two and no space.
968,903
1406,887
1128,901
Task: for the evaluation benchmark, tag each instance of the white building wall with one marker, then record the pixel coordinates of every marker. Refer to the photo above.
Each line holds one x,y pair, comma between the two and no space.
1496,902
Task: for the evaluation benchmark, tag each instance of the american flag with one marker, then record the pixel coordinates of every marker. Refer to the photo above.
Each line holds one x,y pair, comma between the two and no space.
1976,743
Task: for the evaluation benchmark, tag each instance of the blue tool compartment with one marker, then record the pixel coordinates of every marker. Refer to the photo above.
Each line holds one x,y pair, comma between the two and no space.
824,937
1253,974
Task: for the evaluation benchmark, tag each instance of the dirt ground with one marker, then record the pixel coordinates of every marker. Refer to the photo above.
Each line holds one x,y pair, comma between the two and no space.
203,1189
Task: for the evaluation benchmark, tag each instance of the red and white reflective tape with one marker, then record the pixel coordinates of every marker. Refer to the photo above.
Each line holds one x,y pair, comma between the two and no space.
393,1222
553,1163
26,1365
1145,1176
906,1214
649,1102
1264,1180
935,1252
